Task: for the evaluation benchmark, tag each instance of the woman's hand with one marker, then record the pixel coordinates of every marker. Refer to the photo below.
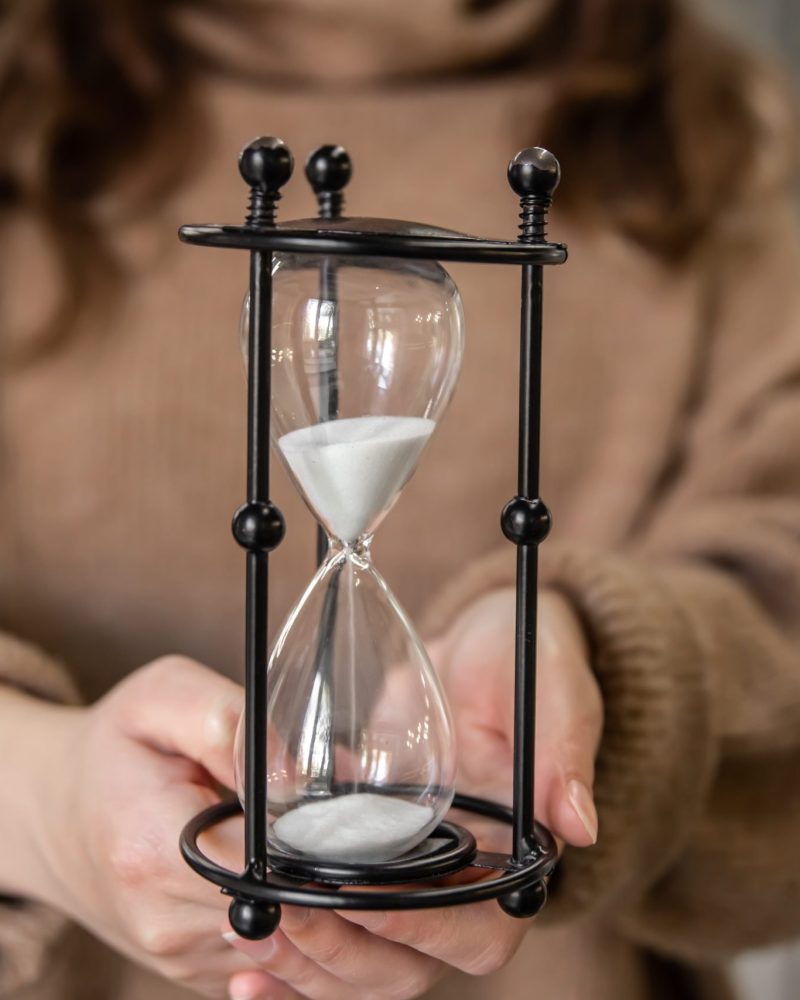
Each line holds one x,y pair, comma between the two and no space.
367,956
476,664
107,790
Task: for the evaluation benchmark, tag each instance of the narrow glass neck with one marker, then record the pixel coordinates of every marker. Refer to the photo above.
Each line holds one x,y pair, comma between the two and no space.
358,549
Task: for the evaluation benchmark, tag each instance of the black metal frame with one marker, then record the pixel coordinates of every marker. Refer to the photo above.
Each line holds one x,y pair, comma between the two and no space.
269,879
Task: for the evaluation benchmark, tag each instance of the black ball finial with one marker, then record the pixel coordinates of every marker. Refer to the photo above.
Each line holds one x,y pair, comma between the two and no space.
534,175
329,168
534,172
254,920
266,163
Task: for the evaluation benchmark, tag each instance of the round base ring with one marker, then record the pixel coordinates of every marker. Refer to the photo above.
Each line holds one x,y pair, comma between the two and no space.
520,887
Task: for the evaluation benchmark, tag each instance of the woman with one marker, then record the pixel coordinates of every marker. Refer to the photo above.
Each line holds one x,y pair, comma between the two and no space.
670,694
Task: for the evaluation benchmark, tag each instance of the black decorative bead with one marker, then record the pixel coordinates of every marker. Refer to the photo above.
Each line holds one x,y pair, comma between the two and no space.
259,527
534,173
253,920
526,522
525,902
329,168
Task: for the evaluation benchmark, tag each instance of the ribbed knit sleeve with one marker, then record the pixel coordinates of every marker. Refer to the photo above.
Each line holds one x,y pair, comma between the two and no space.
24,666
648,662
692,623
695,781
29,930
649,665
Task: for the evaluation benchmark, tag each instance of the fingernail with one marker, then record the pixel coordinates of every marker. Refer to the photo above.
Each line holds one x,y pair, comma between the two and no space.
250,986
247,994
259,951
582,802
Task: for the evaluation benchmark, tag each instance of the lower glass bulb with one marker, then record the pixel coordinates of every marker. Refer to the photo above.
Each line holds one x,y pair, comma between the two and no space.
360,747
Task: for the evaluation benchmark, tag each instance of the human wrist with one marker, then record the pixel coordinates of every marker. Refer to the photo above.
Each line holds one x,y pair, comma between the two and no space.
36,738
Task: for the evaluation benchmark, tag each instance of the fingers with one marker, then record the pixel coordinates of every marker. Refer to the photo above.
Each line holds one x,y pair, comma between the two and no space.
324,956
279,957
569,729
260,986
181,707
578,815
479,675
357,957
565,751
181,941
564,800
140,852
208,965
477,938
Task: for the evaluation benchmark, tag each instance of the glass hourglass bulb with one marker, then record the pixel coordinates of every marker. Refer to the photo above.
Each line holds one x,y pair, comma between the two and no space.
360,747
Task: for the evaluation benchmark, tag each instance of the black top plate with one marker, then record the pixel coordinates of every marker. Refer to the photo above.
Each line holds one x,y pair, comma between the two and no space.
374,238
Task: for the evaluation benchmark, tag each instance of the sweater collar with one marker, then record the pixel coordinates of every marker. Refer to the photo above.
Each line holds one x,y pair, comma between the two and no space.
347,42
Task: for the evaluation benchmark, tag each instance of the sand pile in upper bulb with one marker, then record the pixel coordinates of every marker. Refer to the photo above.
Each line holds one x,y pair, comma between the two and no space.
351,469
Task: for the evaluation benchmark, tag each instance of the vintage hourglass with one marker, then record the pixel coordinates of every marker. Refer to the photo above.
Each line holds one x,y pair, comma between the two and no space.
345,758
361,760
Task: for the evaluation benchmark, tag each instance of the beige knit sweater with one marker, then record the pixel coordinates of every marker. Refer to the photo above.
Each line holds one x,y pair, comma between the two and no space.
671,460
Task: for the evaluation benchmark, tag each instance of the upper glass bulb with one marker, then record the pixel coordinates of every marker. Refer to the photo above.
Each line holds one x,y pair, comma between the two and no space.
361,755
375,345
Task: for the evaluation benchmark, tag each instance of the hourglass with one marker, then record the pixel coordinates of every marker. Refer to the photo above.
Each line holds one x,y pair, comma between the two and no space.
361,760
345,757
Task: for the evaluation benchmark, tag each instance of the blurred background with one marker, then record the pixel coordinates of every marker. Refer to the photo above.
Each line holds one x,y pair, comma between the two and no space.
774,26
776,23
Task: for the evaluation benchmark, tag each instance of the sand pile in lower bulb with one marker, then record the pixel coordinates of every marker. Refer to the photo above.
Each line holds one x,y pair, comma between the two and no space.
357,827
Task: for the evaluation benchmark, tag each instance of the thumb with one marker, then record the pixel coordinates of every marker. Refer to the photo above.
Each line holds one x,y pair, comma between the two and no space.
180,707
569,728
567,807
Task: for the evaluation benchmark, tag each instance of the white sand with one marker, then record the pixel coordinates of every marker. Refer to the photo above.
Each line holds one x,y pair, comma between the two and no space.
361,826
351,469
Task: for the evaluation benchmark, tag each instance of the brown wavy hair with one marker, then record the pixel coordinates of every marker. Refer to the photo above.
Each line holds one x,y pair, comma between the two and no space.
660,122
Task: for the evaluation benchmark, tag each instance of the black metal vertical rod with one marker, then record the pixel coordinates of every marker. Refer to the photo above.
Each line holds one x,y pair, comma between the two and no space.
329,378
328,171
258,526
257,593
534,175
328,410
527,563
530,381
